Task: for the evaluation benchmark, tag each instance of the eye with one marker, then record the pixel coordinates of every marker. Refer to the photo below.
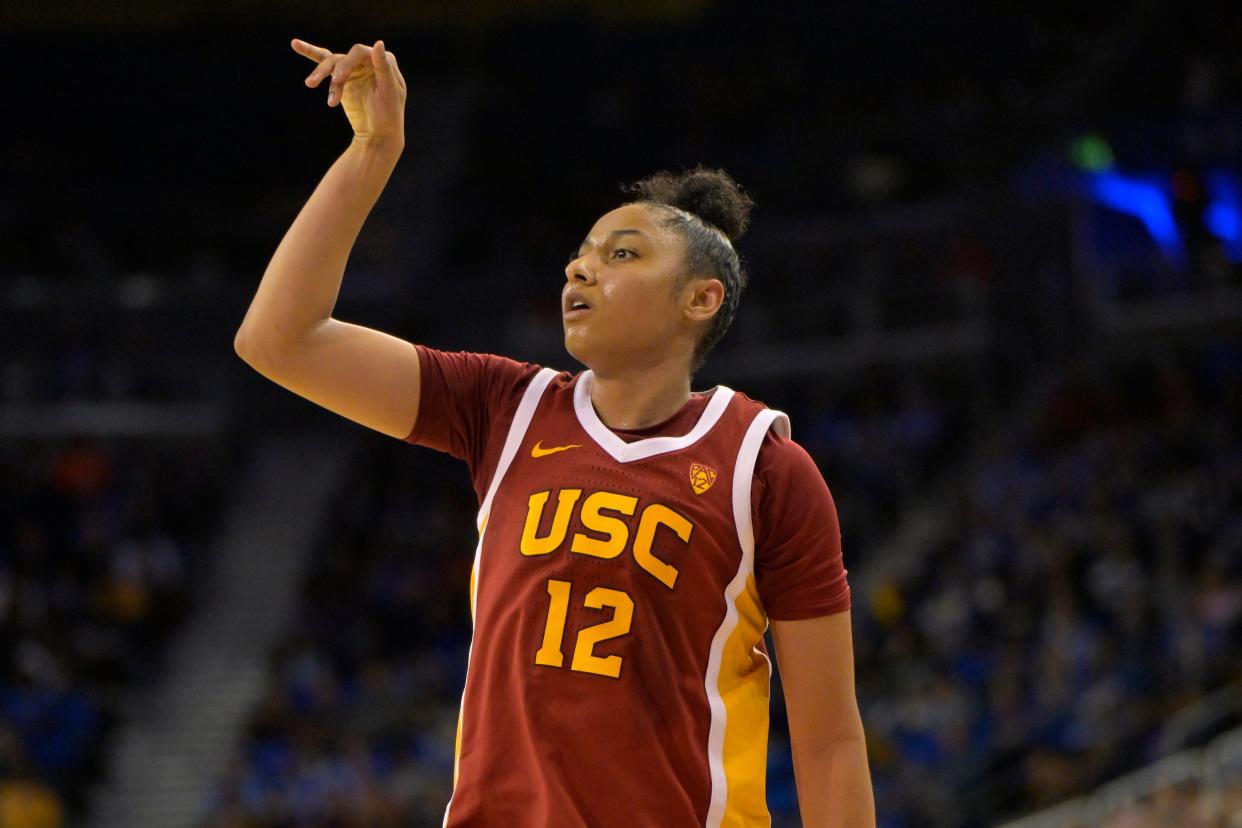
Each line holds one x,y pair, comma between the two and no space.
629,254
573,254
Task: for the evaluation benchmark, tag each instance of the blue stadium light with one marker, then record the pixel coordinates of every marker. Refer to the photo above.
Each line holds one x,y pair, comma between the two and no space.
1146,201
1223,217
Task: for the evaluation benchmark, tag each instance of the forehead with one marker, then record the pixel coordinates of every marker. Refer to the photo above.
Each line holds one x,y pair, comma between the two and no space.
629,216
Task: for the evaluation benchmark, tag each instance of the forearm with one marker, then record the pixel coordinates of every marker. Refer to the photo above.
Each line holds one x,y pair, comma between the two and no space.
300,286
834,785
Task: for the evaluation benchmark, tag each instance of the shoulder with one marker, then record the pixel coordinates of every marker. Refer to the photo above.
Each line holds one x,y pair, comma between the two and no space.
474,364
494,375
785,476
783,459
779,453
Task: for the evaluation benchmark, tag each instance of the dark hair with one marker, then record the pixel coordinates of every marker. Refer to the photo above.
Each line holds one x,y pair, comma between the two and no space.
711,211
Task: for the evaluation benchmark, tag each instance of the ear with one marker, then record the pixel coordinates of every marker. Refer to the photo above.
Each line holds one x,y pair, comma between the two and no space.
702,299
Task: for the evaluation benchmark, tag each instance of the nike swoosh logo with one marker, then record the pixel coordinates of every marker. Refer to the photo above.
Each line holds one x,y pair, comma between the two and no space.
539,451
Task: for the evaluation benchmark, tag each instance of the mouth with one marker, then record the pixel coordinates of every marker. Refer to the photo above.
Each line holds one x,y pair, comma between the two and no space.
574,306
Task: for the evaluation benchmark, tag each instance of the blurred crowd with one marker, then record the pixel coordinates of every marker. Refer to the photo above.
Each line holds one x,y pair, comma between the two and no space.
99,544
1187,805
881,439
1089,587
358,722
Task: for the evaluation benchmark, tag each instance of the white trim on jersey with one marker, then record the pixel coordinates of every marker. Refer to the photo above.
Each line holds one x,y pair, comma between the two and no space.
743,475
517,431
522,416
624,452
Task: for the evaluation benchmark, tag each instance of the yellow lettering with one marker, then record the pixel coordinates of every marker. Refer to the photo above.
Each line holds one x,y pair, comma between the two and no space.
533,545
653,517
585,660
554,629
616,530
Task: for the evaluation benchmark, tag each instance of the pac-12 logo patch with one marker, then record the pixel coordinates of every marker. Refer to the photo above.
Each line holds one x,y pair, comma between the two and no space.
701,477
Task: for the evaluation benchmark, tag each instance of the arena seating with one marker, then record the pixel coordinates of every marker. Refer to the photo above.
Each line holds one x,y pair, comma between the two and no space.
1185,804
100,543
1087,589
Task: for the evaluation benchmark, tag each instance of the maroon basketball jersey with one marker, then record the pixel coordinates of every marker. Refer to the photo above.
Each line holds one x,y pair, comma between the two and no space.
617,672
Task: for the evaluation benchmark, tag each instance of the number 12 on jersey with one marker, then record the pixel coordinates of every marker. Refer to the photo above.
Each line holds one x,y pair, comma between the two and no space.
585,660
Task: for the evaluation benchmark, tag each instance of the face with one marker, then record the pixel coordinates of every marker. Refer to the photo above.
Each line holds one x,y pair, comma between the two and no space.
619,306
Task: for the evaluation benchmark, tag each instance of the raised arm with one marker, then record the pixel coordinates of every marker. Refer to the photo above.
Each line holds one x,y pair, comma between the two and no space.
288,334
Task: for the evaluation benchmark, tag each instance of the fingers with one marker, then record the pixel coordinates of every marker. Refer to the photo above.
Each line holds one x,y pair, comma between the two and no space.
307,50
344,69
385,67
321,71
320,55
389,69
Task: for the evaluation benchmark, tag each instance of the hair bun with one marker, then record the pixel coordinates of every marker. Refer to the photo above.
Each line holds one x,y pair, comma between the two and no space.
712,195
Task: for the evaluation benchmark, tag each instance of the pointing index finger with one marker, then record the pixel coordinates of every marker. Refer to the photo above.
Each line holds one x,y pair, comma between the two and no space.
308,50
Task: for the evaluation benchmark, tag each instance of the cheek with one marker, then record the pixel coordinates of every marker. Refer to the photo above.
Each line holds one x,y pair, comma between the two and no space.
636,316
616,294
638,301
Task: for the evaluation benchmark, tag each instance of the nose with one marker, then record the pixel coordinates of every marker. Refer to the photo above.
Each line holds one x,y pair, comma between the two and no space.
576,272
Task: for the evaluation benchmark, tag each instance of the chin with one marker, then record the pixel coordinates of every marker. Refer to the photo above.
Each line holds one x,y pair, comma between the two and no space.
577,348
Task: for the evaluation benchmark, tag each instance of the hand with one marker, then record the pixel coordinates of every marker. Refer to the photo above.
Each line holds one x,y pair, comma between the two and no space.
367,84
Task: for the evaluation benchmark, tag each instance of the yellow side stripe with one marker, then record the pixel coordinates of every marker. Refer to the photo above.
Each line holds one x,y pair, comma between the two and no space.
744,684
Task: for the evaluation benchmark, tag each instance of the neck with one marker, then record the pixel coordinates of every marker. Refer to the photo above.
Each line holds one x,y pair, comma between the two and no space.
642,397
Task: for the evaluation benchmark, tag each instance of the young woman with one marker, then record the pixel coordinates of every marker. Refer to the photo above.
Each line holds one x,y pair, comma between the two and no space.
636,538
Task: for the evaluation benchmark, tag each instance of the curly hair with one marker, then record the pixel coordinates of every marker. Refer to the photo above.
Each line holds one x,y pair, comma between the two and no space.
709,210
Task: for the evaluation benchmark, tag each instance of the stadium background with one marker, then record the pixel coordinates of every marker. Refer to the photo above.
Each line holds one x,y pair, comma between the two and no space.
996,283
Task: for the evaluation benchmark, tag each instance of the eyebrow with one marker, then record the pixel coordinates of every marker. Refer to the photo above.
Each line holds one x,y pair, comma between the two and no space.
624,231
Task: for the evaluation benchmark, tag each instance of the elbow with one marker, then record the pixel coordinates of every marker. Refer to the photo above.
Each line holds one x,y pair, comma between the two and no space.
252,350
266,351
243,345
846,740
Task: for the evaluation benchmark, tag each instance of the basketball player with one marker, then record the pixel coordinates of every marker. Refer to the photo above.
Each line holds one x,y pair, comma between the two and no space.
636,538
